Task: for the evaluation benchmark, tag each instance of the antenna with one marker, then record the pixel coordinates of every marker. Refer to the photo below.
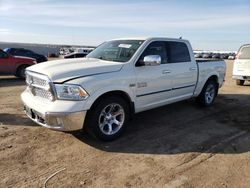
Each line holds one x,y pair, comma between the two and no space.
180,37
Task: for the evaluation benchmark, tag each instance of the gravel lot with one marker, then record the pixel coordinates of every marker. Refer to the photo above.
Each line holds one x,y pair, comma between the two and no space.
180,145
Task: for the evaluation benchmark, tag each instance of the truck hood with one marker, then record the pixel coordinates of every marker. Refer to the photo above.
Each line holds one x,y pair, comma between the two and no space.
62,70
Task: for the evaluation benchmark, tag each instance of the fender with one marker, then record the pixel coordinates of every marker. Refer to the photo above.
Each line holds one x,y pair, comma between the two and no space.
94,96
202,82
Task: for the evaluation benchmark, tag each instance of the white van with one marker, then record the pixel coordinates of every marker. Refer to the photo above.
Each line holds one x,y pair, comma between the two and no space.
241,69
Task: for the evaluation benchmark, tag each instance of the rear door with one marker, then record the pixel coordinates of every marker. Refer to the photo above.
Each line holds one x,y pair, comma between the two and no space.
184,71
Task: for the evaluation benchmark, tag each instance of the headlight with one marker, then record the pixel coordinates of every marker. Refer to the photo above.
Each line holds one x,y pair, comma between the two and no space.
70,92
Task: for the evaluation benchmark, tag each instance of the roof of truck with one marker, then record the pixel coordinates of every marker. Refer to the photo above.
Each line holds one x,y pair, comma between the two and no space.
149,38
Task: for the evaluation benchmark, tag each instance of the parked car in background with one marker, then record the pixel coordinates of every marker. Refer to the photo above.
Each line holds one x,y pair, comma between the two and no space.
224,56
198,55
75,55
83,50
69,50
207,55
231,56
64,51
14,65
241,69
26,53
216,56
119,78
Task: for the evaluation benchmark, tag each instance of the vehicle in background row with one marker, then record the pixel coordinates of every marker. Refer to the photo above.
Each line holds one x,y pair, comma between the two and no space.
207,55
119,78
64,51
14,65
231,56
241,69
75,55
216,56
83,50
26,53
198,55
69,50
224,56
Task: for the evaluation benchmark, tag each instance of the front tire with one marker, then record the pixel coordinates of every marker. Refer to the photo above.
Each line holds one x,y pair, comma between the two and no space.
208,93
107,119
240,82
21,71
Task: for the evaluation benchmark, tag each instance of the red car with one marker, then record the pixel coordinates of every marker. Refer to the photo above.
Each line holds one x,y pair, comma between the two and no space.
14,65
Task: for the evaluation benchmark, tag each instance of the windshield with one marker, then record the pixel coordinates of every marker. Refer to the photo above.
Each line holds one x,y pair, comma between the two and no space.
6,49
244,53
117,50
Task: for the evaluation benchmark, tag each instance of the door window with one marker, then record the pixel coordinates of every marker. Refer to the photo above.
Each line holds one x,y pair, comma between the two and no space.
155,48
177,52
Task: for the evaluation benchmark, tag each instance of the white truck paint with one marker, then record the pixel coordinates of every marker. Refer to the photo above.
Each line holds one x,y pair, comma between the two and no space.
241,69
102,91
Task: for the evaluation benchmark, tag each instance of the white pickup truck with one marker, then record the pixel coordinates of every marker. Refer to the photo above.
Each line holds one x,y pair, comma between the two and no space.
119,78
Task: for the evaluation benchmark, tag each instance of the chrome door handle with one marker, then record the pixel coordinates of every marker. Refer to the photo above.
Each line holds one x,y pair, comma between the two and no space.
166,71
192,68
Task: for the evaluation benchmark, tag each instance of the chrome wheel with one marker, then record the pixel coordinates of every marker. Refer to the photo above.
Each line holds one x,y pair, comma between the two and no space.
111,119
209,93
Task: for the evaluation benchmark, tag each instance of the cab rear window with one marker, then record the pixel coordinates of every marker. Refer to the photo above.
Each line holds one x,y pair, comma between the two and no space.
244,53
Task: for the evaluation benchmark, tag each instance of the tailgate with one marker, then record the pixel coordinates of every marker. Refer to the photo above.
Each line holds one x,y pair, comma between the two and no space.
241,67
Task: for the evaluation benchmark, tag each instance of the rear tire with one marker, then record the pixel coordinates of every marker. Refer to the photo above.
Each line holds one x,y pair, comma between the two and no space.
21,71
208,93
107,119
240,82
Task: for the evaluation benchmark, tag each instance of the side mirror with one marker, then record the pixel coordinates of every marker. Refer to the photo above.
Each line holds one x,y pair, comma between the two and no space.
152,60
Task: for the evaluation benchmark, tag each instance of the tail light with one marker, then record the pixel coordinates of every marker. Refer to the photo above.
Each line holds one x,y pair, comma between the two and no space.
237,55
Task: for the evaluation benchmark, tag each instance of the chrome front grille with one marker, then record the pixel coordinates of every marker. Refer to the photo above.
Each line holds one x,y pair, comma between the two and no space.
42,93
39,85
39,81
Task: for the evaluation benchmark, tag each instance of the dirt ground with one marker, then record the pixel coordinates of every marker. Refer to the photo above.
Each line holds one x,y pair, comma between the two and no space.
180,145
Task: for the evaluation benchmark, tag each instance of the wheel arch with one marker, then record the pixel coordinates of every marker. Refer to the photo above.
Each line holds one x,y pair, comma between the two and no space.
19,66
214,78
118,93
202,82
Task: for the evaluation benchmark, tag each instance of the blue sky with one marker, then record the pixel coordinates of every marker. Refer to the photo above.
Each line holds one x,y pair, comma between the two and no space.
207,24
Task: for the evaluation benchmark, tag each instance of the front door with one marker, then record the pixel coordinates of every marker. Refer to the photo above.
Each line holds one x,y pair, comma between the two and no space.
153,82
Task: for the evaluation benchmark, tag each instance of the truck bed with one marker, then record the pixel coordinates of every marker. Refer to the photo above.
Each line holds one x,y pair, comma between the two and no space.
208,67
